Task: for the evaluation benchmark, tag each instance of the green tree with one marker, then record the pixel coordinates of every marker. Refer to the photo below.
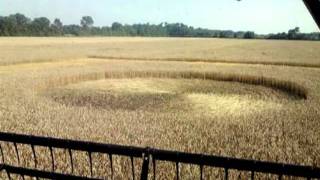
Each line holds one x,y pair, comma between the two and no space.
178,30
10,25
21,23
293,33
86,22
57,23
116,26
73,30
249,35
57,27
2,26
41,26
3,29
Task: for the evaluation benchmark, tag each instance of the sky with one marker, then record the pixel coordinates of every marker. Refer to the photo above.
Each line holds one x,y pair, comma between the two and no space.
261,16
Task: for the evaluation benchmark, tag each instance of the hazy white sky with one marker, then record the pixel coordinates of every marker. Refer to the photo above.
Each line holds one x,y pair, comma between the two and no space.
261,16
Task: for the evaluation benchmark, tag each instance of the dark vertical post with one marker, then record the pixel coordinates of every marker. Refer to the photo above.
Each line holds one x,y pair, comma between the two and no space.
90,161
177,170
34,156
145,166
201,172
52,158
71,160
226,173
8,174
252,175
2,155
17,152
132,168
111,165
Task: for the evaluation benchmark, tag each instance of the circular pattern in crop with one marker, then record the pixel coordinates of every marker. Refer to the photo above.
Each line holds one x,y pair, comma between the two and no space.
166,95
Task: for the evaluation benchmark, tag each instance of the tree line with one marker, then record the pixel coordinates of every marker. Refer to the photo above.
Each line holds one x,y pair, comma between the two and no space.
20,25
295,34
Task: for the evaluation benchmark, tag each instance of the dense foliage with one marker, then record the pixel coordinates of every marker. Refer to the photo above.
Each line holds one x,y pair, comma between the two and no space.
20,25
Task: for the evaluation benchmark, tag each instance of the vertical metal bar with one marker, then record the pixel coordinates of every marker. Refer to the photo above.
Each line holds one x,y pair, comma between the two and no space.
8,174
2,155
52,158
154,168
280,176
145,167
132,168
22,177
226,173
34,156
111,165
177,170
91,166
71,160
252,175
17,152
201,172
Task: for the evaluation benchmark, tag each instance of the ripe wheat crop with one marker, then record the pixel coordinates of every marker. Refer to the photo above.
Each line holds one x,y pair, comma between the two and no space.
246,99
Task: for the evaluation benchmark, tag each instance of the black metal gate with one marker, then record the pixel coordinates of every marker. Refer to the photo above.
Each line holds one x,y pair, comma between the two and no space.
148,156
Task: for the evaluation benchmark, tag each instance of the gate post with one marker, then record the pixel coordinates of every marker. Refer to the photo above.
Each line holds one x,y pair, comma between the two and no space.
145,165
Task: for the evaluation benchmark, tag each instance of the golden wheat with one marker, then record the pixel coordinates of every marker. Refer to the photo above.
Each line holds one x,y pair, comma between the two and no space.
49,87
52,49
259,62
286,86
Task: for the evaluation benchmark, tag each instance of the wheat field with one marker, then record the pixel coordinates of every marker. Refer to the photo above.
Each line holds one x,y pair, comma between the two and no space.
253,99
